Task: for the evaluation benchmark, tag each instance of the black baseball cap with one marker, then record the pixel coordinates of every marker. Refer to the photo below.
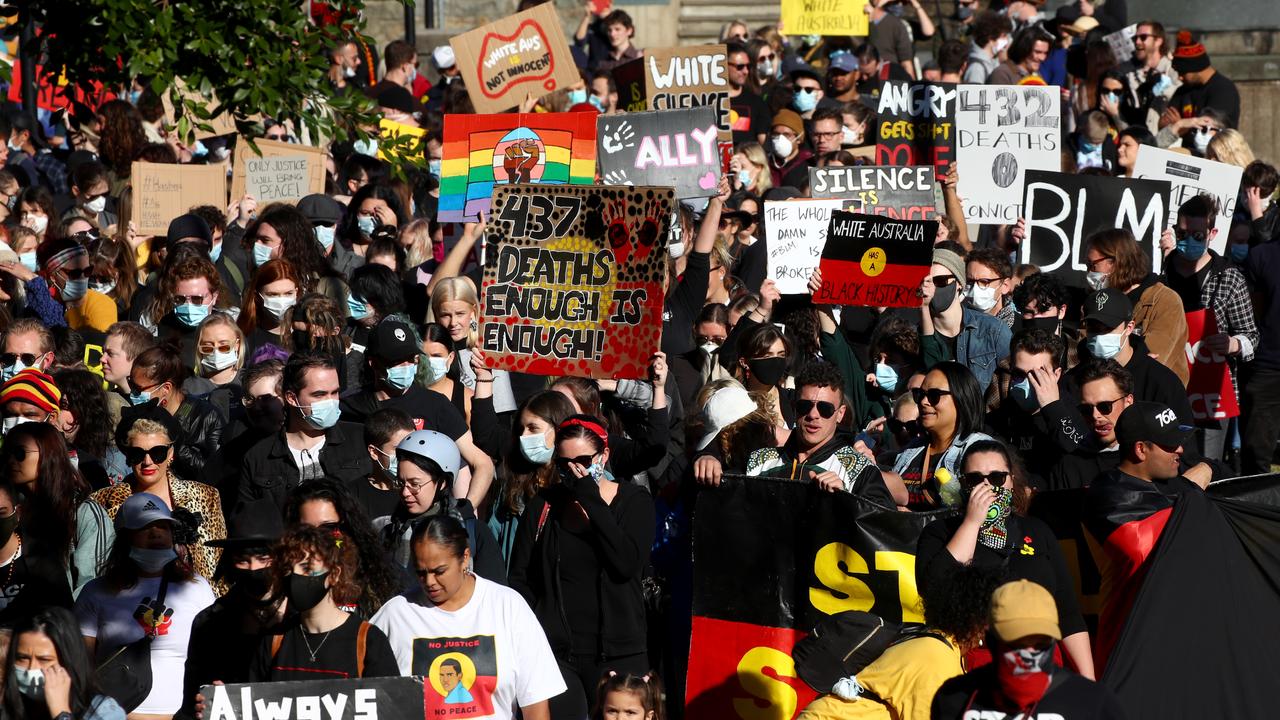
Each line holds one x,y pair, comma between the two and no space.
1154,422
1109,307
393,342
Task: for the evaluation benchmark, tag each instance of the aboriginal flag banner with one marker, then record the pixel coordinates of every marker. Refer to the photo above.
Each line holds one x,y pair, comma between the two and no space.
770,558
873,260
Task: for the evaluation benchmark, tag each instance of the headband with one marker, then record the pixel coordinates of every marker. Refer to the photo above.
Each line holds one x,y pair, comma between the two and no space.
596,428
65,256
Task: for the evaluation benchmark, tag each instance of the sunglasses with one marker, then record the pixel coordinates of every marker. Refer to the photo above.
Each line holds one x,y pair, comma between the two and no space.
76,273
825,409
584,460
933,395
995,477
208,347
770,56
1142,38
739,66
806,89
192,299
943,280
898,427
1104,407
84,237
1198,235
7,359
134,455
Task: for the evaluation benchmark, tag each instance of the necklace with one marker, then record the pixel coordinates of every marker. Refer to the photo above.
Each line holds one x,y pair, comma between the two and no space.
311,652
8,575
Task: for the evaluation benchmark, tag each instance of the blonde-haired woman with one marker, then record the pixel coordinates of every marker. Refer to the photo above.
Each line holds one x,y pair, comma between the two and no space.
456,306
749,170
1229,146
219,359
419,248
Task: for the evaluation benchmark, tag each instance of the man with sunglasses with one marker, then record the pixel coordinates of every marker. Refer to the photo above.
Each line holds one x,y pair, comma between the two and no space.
27,343
748,112
1148,76
819,449
1207,281
950,330
1106,389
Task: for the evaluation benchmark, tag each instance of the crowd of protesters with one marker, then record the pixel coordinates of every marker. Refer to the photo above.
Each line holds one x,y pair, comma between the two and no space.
274,426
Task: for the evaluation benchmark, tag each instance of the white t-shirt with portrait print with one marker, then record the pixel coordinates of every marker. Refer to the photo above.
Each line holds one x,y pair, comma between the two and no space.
482,661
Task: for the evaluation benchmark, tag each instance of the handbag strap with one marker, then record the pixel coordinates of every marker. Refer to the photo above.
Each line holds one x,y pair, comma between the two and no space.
164,588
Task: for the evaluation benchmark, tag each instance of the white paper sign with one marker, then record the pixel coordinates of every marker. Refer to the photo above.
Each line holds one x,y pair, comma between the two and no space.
796,231
1001,132
1191,176
270,179
1121,42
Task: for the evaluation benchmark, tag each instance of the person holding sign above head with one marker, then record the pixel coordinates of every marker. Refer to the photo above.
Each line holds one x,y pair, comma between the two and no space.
1206,281
487,629
949,330
1115,260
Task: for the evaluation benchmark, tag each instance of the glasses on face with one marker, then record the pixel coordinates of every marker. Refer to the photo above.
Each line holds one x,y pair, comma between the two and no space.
995,477
1142,38
1093,265
8,359
788,135
134,455
84,237
827,135
763,58
416,486
807,88
1105,407
222,347
75,273
984,282
898,427
1197,235
192,299
739,66
584,460
933,395
825,409
943,280
704,339
276,136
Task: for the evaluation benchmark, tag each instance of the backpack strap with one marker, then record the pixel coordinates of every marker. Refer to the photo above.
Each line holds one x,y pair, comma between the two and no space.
471,538
276,642
542,520
362,643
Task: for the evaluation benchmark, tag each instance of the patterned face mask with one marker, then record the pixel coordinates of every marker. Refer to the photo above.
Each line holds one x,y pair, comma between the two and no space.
994,532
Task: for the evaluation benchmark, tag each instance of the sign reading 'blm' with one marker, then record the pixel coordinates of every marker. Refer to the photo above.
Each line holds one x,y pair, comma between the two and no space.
917,124
901,193
1062,211
573,284
875,261
1002,132
676,148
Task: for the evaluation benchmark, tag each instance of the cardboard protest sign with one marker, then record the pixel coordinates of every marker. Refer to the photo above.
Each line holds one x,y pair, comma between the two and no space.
482,152
824,17
221,124
675,148
1209,389
875,261
52,90
162,192
387,698
633,89
1121,42
1002,131
687,77
901,193
917,124
390,147
284,172
1062,211
795,231
520,54
573,279
1190,176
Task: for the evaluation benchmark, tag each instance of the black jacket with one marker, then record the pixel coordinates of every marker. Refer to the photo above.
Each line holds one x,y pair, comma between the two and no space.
270,472
620,534
1069,697
201,437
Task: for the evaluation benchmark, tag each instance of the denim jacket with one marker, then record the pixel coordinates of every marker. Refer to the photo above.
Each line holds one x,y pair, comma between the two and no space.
983,342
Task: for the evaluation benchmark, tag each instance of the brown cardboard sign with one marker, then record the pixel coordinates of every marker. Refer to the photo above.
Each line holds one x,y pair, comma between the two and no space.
284,172
162,192
521,54
688,77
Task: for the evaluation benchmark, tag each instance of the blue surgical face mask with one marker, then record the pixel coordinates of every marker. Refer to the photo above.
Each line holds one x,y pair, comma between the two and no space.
596,472
744,178
152,560
597,103
886,377
366,147
18,366
1192,249
359,309
1105,347
133,96
75,289
438,367
577,96
1089,148
366,224
1239,252
534,449
261,254
191,315
323,414
805,101
1112,97
324,236
433,167
28,260
215,252
401,377
1024,396
139,397
393,463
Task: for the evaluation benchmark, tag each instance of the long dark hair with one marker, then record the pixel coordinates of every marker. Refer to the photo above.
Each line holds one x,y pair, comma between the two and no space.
60,626
298,242
82,393
378,578
349,228
524,479
123,136
965,394
49,508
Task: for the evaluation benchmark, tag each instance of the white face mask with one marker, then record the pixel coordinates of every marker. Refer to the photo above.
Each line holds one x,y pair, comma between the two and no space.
982,298
96,205
782,146
675,249
1001,44
218,361
436,367
349,72
1095,280
278,305
1201,141
36,223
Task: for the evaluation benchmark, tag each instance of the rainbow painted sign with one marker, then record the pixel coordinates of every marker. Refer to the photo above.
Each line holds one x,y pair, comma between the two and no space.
482,152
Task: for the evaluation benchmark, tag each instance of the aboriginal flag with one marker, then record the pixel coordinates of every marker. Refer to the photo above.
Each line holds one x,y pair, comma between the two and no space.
1191,584
875,261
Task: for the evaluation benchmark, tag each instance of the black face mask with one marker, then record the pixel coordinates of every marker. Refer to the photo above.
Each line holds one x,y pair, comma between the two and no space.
1049,324
768,371
253,584
305,591
7,528
943,297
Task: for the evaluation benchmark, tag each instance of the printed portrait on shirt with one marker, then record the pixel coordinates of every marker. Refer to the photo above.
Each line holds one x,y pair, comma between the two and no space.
462,674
